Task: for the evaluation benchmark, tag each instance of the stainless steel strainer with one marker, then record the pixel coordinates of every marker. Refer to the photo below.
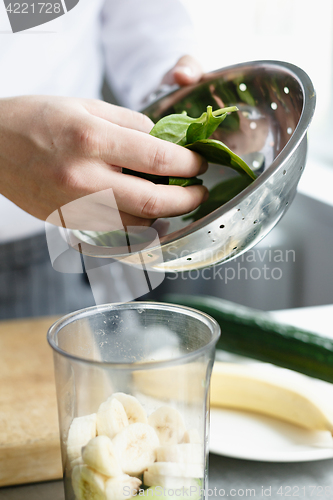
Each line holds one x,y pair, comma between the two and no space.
276,102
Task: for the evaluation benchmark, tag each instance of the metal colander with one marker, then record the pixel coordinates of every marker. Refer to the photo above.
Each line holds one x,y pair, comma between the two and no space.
276,102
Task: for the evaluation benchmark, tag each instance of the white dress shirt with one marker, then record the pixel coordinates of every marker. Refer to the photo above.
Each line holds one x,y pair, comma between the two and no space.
133,42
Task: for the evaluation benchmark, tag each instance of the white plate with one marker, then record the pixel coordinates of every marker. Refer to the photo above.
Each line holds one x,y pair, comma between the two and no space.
251,436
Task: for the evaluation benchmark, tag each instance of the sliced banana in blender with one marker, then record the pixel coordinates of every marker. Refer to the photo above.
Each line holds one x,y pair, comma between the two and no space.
133,408
81,431
168,424
100,455
111,418
135,446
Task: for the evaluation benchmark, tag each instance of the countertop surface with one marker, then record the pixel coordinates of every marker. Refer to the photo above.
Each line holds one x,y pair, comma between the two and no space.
233,477
230,477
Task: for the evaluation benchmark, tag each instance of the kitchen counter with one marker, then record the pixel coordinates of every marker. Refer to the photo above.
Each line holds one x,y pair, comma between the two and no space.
230,475
304,480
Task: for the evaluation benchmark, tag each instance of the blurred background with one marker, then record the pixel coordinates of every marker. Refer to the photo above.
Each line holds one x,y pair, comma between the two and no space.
292,266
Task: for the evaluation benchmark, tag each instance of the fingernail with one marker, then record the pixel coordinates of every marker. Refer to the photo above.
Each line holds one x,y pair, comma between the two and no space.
204,167
206,196
185,70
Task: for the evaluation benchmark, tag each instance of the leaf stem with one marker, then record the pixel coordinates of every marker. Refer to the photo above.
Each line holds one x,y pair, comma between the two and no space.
224,110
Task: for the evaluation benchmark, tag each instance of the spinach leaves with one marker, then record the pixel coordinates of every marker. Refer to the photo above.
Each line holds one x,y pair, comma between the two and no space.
183,130
194,133
217,152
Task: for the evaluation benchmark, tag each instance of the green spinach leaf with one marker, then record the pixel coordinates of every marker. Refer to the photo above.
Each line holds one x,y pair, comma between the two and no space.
217,152
172,128
205,126
194,134
182,129
184,181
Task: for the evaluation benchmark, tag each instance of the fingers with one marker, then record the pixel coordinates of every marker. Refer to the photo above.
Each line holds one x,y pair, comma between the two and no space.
109,138
120,142
97,211
94,194
186,72
170,201
130,202
145,200
144,153
85,216
118,115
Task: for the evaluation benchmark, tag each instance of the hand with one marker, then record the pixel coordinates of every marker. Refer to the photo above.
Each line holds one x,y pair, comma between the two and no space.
186,72
54,150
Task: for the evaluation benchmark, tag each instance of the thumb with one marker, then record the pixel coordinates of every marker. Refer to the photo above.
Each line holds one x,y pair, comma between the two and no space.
186,71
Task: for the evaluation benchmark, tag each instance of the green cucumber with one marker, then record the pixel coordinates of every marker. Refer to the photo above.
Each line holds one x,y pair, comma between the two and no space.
254,334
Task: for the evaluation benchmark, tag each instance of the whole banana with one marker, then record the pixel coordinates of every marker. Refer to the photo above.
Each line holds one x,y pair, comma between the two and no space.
277,393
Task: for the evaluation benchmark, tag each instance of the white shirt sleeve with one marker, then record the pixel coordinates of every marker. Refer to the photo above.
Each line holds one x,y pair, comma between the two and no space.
142,40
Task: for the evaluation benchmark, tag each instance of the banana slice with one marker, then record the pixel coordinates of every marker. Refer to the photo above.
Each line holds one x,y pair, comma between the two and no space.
168,424
184,453
277,393
122,487
111,418
192,436
88,484
100,455
134,410
176,470
81,431
170,482
135,446
77,461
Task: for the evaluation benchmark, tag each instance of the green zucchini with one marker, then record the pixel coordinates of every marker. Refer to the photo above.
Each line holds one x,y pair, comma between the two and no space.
254,334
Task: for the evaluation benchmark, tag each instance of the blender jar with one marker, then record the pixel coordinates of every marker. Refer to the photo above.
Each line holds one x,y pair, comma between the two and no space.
133,400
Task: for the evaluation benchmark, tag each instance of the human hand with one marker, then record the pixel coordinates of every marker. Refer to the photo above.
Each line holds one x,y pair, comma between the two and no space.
186,71
54,150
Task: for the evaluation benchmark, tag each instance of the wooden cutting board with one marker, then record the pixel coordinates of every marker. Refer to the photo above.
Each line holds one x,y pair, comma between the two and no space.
29,435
